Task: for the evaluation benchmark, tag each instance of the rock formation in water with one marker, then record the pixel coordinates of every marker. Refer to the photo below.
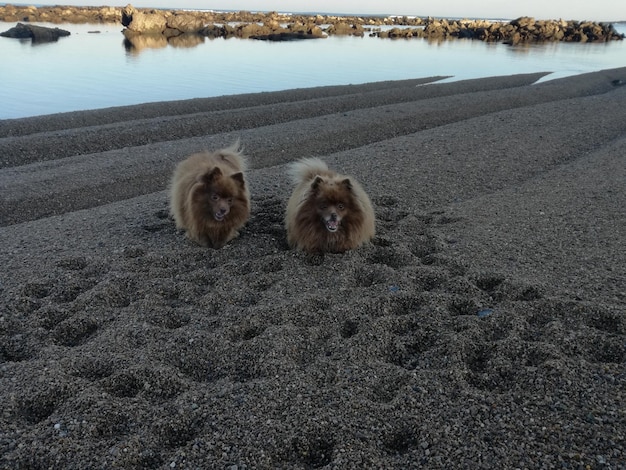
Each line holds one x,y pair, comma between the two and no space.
36,33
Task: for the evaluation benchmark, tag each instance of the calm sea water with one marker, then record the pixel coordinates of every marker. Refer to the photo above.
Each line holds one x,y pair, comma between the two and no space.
89,70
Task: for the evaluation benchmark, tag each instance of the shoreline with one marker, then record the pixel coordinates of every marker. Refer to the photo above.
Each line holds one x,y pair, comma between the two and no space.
483,325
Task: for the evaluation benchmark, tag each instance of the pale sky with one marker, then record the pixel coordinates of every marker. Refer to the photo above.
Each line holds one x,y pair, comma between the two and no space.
594,10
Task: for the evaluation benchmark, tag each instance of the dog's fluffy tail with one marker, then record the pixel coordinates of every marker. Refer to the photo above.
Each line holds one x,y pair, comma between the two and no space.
306,169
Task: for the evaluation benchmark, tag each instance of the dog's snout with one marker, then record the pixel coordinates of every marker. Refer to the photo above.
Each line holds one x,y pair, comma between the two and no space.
333,216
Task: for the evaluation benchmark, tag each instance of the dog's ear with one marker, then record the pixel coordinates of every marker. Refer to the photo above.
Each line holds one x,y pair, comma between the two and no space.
347,183
316,183
210,176
238,177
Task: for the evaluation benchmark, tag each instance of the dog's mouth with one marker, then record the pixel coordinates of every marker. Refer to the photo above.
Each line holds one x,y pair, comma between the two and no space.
332,225
219,216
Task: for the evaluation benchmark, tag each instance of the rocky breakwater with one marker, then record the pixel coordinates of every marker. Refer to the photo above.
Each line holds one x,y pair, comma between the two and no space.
520,30
190,27
59,14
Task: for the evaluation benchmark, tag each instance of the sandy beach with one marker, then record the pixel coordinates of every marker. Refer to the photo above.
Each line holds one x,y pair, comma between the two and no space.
484,326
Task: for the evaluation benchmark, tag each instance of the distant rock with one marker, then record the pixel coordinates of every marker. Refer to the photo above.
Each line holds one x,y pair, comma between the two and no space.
185,23
36,33
520,30
341,28
175,24
143,22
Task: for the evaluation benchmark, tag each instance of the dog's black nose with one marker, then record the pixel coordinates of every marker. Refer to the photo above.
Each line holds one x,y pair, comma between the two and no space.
333,216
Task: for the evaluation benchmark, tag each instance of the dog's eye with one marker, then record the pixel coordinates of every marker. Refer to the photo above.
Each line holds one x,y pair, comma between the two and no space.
215,197
323,206
230,200
340,206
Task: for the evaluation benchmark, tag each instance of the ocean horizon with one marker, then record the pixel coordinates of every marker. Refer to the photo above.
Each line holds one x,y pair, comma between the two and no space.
96,67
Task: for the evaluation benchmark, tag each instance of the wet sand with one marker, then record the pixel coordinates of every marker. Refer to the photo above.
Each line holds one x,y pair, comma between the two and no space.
484,326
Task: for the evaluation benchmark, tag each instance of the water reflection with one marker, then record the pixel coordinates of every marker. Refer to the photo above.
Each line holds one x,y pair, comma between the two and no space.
186,40
135,43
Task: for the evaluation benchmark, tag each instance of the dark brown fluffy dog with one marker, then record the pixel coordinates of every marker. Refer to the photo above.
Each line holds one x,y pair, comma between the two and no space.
209,197
327,212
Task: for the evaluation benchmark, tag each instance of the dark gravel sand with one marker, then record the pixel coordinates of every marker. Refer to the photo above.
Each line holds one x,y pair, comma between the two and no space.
484,327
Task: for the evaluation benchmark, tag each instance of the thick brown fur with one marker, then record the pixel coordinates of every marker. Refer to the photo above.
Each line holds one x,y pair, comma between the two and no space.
209,196
327,212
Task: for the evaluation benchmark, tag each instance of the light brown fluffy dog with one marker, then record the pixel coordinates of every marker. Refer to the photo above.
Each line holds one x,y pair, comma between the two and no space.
209,197
327,212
